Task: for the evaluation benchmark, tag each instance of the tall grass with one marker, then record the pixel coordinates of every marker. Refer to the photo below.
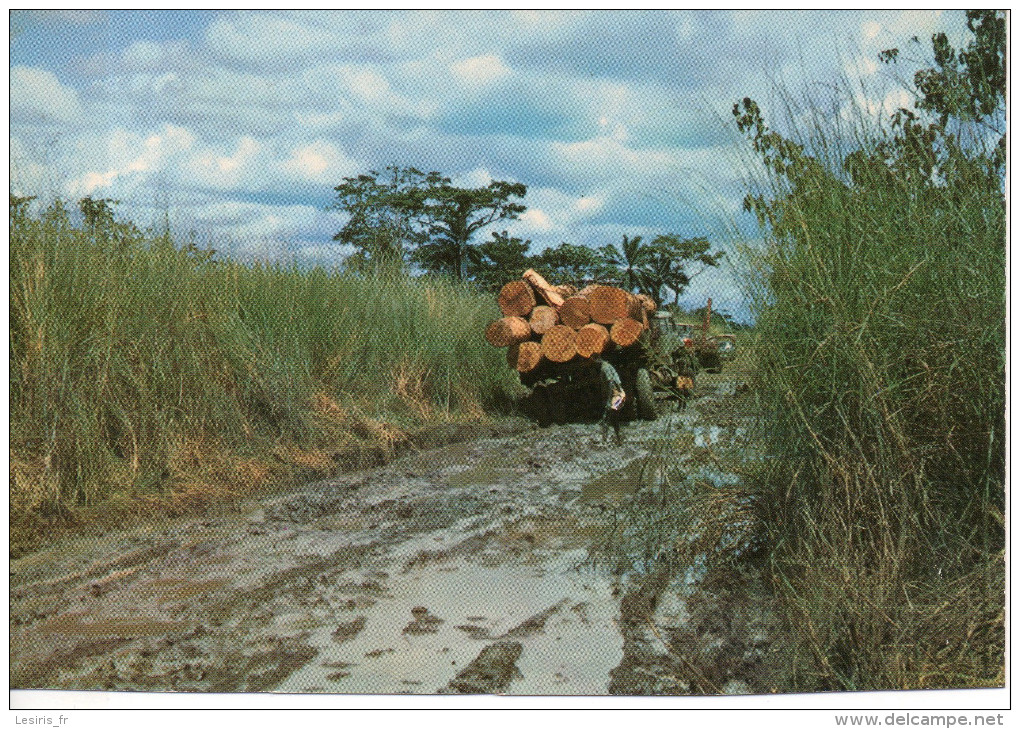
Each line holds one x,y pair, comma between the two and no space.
881,353
136,363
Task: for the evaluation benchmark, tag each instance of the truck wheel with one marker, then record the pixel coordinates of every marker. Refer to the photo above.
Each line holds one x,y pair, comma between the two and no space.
557,407
726,347
710,362
540,403
646,408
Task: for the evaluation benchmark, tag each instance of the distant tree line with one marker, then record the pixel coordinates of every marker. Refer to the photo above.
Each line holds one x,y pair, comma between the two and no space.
403,219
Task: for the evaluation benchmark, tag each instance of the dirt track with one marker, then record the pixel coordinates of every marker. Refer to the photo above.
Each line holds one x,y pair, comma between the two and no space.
467,568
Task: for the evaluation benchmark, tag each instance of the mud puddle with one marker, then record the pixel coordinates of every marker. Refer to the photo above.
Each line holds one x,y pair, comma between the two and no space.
429,624
464,568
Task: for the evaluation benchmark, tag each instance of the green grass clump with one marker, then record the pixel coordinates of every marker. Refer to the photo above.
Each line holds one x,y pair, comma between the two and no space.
881,355
137,365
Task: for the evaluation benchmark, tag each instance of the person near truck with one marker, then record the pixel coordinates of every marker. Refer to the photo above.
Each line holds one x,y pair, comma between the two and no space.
613,396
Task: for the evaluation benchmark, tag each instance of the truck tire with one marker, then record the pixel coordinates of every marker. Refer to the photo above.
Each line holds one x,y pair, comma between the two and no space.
727,347
557,406
646,408
711,362
540,403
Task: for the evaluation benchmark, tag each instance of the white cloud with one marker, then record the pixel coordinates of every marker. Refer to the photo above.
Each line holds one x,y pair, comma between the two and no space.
225,170
562,208
861,66
534,220
555,216
28,174
281,105
365,83
545,23
589,204
480,70
263,39
128,157
319,162
38,96
605,158
328,94
478,177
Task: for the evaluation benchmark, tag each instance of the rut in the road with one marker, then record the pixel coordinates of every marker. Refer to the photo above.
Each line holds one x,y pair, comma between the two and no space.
427,574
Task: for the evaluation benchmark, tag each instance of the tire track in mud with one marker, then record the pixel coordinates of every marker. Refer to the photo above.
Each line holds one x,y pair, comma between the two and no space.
419,576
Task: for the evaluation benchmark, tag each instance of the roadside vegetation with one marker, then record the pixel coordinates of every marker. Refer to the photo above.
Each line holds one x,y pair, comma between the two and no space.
145,373
881,369
149,376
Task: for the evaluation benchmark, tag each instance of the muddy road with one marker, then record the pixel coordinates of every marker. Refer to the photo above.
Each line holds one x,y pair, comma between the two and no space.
480,566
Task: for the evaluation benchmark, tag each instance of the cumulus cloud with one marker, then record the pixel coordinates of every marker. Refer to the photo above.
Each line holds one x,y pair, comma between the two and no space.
38,96
480,70
616,122
226,170
319,162
128,159
478,177
604,158
265,39
534,220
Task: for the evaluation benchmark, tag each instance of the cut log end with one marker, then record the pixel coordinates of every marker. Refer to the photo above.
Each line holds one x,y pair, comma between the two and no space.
609,303
516,299
592,340
543,318
524,356
575,312
559,344
508,330
625,331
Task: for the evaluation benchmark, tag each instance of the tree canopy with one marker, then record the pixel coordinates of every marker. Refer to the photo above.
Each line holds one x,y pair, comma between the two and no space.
669,262
490,261
570,262
385,221
406,215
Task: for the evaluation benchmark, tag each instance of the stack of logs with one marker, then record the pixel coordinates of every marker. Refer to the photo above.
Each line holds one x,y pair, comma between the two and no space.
542,322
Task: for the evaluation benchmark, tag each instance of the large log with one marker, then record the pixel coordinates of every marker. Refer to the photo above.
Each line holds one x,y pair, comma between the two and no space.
647,302
565,290
626,331
524,356
608,303
543,318
546,289
508,330
575,312
635,309
559,344
516,299
592,340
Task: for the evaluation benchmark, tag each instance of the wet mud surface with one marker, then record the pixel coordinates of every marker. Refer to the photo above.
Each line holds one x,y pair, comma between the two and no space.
469,568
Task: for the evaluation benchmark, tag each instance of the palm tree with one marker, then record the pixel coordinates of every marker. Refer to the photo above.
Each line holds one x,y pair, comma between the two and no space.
670,259
631,258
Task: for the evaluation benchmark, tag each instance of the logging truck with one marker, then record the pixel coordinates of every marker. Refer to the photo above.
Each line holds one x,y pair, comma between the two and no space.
558,337
710,350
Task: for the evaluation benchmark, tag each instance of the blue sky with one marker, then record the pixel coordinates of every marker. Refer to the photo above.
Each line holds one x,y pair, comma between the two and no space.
238,124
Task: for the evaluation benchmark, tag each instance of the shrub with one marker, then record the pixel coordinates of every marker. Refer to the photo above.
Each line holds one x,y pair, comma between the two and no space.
881,323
